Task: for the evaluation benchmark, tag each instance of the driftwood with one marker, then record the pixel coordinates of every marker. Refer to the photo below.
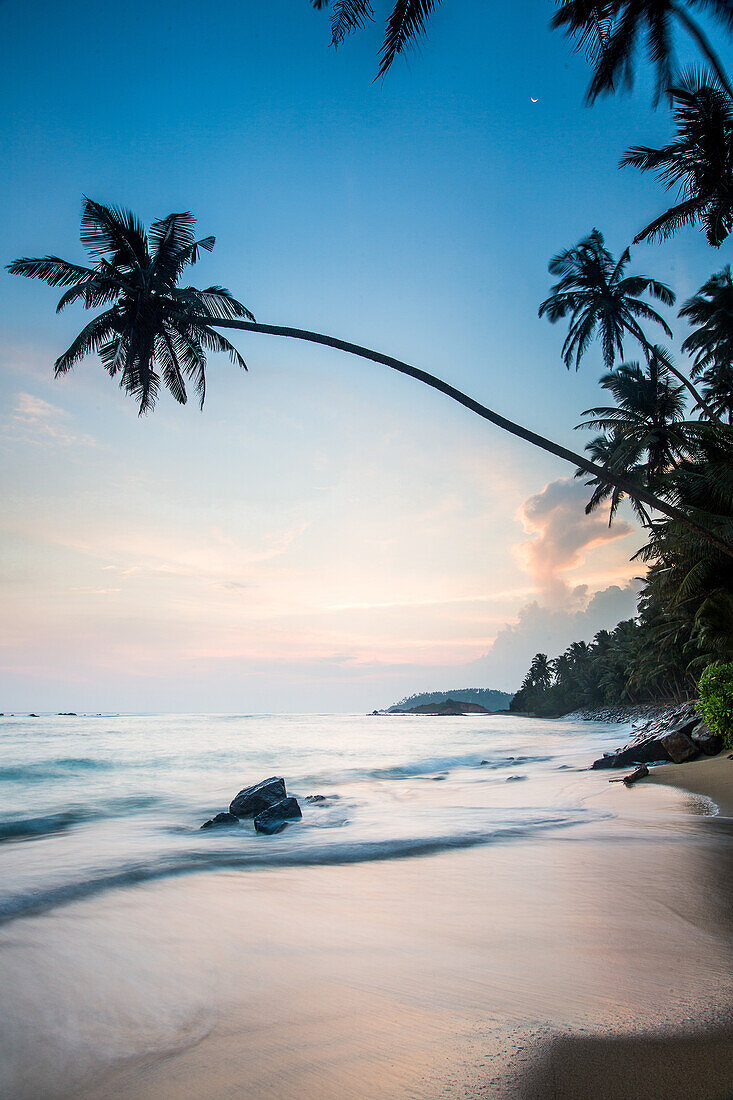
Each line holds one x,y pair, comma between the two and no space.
631,778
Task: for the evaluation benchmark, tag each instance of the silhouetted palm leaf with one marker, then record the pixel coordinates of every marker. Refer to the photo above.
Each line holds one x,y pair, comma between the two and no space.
698,163
711,341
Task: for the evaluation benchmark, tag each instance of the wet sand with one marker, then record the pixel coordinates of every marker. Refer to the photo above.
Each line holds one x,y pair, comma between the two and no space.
708,775
595,962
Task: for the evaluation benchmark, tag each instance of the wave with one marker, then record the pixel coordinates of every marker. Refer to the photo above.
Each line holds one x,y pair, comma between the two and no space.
41,899
428,766
24,828
54,769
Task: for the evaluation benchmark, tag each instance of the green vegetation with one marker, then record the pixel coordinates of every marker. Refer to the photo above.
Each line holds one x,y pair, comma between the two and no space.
716,700
485,697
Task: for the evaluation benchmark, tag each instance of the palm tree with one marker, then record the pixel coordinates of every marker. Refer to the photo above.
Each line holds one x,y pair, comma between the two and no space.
711,343
644,432
698,163
540,671
156,329
611,31
602,301
407,21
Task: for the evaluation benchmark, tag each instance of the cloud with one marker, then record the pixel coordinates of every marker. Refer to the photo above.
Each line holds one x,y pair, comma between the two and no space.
562,534
551,630
33,420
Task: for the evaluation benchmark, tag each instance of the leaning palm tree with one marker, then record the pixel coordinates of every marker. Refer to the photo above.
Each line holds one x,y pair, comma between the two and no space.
644,431
156,330
711,342
698,163
407,21
611,32
603,302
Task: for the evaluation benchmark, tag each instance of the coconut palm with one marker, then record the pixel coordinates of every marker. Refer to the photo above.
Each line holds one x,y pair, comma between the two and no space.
604,302
644,431
698,163
601,300
711,342
407,21
611,33
155,330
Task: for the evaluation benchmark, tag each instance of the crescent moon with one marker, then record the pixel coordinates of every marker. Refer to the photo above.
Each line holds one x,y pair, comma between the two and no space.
533,99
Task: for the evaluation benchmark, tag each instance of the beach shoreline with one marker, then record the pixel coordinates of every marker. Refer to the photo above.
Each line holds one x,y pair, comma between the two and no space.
586,958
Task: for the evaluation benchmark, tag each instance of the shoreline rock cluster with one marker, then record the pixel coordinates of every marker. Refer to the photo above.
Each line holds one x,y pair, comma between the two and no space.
267,804
672,734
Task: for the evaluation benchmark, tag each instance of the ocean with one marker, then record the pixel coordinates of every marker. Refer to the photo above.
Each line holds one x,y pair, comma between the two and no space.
92,803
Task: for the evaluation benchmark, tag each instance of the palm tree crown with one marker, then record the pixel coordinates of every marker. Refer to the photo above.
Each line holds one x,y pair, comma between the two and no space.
600,299
711,342
154,330
698,163
643,432
612,31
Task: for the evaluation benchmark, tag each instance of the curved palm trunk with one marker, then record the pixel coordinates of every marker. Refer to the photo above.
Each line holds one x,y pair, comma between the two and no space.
638,492
700,37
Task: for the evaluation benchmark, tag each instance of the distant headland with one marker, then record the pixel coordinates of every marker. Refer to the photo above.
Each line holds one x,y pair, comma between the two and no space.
457,701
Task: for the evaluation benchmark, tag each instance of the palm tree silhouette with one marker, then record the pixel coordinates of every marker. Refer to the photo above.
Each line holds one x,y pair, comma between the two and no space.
611,31
155,330
711,343
644,432
133,336
604,302
698,163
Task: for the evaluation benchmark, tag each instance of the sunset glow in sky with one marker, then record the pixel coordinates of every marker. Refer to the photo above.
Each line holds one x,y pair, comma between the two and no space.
324,535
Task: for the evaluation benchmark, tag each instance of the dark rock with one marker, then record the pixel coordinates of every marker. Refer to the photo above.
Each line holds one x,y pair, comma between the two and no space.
482,763
253,800
32,715
515,778
649,751
678,746
708,742
220,821
276,817
315,798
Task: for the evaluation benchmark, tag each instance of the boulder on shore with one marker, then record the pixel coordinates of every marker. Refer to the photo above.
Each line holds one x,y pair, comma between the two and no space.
220,821
253,800
678,746
276,817
707,742
649,751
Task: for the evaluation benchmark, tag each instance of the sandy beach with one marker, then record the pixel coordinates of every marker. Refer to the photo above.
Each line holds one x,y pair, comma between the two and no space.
598,963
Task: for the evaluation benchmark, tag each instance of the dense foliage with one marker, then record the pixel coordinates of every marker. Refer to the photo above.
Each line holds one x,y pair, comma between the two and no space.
716,700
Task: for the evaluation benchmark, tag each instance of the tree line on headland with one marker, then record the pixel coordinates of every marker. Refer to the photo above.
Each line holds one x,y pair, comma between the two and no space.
664,438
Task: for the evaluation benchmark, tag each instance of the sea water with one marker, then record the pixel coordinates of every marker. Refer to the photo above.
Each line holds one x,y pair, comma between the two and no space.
89,803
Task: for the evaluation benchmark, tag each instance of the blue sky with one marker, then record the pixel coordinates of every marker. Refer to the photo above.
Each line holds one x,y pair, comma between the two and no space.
323,535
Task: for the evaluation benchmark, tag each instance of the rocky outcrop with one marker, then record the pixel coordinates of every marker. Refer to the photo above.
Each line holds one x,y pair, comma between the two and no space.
253,800
677,735
276,817
448,708
221,821
267,802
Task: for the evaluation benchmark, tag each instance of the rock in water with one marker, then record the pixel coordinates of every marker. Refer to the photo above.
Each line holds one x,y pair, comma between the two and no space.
253,800
220,821
276,817
679,746
708,742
